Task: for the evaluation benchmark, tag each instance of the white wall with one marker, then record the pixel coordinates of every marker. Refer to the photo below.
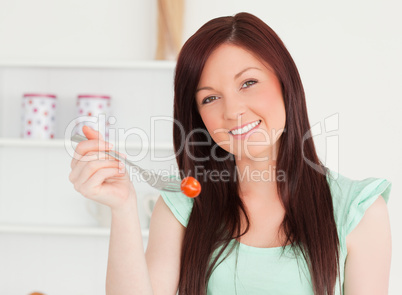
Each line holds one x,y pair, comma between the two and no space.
347,52
77,29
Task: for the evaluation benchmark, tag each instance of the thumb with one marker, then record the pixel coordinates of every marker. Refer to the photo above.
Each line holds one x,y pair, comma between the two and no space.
91,133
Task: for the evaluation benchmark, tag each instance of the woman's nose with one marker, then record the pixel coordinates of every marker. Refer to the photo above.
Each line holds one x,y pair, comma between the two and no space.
234,108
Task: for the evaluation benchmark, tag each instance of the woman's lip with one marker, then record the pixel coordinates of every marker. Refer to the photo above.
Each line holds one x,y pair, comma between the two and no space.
242,136
244,125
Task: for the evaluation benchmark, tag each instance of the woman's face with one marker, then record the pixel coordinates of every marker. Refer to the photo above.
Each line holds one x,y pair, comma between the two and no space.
238,90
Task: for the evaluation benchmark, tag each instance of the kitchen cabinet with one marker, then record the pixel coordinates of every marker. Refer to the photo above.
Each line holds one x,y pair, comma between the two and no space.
49,241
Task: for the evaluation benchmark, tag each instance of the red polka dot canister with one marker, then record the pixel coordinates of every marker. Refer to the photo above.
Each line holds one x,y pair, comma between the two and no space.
94,111
38,116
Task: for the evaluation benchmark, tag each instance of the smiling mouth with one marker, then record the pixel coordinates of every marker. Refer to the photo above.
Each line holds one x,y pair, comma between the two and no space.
245,129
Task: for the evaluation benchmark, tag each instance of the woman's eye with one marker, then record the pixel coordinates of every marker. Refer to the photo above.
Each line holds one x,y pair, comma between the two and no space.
208,99
248,83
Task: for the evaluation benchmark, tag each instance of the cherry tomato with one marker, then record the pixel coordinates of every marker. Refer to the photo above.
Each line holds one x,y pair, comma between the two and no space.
190,187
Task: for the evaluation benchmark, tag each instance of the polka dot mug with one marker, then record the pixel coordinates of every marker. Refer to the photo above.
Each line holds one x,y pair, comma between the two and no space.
38,116
93,111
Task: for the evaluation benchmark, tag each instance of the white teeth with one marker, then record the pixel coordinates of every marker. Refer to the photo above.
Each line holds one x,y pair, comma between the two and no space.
245,128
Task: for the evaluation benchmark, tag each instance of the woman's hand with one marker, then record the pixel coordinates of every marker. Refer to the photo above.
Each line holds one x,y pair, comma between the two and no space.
97,176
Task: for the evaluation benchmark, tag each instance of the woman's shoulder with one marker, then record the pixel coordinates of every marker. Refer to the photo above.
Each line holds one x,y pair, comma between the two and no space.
180,205
352,197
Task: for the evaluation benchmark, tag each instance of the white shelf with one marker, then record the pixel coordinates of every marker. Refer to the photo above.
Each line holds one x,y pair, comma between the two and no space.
61,230
140,64
60,143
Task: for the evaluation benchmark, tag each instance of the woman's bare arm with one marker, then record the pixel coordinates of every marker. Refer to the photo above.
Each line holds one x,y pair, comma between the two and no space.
127,271
164,249
130,271
99,178
368,262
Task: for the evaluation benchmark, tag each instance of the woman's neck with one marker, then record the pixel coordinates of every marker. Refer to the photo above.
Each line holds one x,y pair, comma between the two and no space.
258,180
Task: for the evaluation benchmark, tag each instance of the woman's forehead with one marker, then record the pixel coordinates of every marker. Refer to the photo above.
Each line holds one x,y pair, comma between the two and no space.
231,60
234,56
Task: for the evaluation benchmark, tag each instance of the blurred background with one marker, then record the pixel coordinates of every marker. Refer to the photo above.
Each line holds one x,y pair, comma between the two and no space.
51,239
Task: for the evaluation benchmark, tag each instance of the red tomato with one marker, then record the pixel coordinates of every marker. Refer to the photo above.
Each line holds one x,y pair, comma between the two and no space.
190,187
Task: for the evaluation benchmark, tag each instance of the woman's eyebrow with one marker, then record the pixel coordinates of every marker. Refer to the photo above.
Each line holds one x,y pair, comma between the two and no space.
246,69
204,88
235,77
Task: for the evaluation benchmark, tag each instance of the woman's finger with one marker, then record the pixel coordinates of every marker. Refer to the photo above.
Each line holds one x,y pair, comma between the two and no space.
84,170
91,156
95,142
77,168
93,185
91,133
87,146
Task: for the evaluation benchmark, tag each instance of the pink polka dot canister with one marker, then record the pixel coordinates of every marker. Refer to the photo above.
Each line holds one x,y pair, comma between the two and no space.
38,116
93,110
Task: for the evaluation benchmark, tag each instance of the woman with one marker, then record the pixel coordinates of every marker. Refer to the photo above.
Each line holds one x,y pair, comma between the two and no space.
238,89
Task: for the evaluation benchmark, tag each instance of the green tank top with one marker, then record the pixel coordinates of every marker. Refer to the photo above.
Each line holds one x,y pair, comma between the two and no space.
264,270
